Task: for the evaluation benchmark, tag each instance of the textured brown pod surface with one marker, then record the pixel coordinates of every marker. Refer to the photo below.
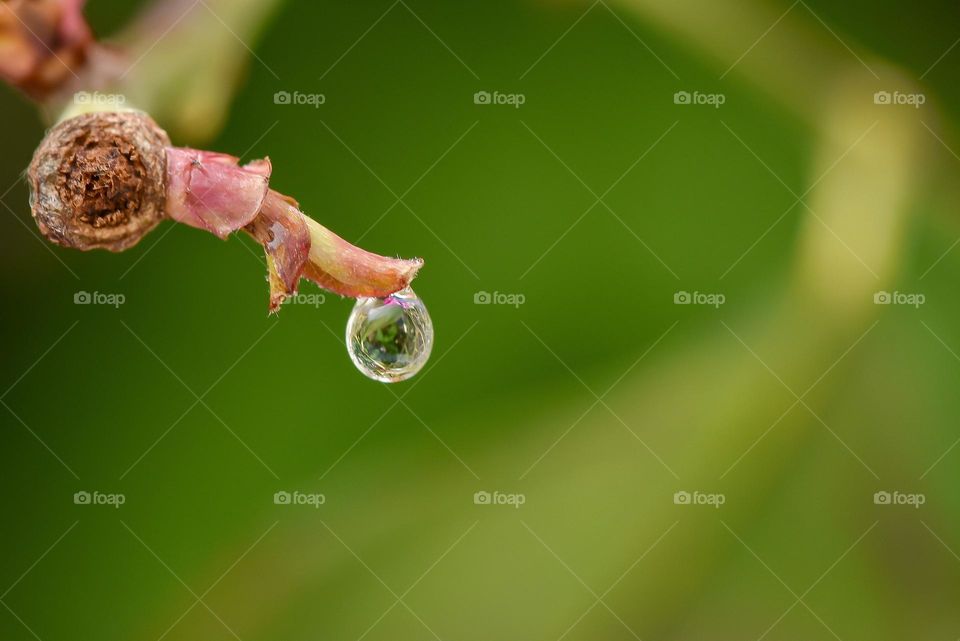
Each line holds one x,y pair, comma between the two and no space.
98,180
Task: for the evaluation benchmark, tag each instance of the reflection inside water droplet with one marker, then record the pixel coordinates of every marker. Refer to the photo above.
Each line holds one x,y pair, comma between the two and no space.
389,339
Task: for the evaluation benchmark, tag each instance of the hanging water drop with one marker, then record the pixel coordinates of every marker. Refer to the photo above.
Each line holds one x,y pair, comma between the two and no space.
389,339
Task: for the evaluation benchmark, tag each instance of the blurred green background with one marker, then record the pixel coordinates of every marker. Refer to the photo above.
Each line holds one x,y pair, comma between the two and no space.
799,200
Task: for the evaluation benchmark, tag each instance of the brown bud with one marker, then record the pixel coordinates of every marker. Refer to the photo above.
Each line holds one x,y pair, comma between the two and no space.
99,180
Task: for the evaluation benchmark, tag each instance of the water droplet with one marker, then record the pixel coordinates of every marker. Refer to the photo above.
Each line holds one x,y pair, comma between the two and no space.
389,339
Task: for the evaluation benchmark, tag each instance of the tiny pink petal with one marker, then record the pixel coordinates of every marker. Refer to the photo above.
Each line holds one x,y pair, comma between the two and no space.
348,270
211,191
281,229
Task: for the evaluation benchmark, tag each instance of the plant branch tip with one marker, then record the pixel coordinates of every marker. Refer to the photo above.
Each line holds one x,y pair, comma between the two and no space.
103,180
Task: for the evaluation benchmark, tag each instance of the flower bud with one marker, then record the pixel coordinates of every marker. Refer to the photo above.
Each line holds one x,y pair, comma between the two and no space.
99,180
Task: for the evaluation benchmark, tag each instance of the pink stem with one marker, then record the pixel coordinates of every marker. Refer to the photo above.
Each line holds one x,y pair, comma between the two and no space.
211,191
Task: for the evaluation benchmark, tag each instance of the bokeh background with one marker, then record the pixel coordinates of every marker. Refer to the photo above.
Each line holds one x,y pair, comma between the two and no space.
800,200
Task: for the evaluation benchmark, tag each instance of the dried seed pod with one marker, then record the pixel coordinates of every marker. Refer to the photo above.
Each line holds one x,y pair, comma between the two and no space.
99,180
